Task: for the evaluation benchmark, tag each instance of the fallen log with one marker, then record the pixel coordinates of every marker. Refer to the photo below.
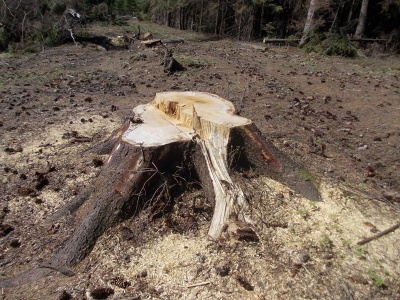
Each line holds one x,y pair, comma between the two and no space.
280,41
177,138
367,40
289,41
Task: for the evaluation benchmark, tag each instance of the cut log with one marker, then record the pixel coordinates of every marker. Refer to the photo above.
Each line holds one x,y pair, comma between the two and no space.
177,135
151,43
280,41
147,36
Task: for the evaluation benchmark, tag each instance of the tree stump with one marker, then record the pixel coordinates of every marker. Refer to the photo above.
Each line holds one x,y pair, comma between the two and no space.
176,136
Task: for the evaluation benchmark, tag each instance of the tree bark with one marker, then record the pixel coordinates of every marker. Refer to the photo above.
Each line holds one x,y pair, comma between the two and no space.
361,20
309,22
200,28
350,15
218,18
189,135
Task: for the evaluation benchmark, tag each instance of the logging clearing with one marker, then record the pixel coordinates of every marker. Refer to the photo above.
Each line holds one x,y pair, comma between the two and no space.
330,122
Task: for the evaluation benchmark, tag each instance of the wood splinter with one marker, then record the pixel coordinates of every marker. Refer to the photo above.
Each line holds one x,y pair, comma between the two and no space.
181,137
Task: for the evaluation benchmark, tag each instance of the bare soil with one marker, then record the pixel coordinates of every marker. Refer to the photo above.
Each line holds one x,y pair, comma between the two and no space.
339,117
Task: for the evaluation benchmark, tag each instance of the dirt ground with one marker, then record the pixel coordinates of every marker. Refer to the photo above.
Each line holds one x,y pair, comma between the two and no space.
338,117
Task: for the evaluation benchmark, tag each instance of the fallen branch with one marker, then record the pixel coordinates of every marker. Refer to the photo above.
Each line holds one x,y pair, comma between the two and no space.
277,41
173,41
378,235
3,62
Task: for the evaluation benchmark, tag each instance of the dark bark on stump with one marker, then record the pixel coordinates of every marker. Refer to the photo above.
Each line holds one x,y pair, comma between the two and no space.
131,176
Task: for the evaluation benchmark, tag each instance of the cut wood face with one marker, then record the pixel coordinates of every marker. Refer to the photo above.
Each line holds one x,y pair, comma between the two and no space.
157,129
179,116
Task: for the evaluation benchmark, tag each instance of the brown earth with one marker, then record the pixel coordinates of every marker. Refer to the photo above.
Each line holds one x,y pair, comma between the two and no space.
339,117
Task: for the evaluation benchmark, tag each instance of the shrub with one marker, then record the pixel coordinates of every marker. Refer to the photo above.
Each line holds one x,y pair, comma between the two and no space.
99,13
331,44
53,38
4,39
58,8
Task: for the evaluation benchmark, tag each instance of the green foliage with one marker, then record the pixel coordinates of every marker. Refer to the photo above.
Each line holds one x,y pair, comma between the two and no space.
346,243
331,44
306,175
325,241
269,28
99,13
30,49
58,8
339,45
390,4
125,7
362,186
53,37
4,39
361,253
303,213
378,281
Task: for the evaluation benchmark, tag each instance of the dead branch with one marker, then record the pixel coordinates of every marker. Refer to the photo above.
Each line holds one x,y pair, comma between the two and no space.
378,235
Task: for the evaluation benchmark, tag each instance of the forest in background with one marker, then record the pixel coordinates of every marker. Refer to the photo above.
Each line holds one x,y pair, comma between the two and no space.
26,23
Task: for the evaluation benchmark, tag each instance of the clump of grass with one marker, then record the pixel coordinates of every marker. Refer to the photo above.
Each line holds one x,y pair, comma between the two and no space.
308,62
377,280
325,241
362,186
305,175
346,243
303,213
360,252
194,63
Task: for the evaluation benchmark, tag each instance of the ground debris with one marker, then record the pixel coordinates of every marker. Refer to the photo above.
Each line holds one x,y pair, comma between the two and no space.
64,296
222,268
244,283
101,293
120,281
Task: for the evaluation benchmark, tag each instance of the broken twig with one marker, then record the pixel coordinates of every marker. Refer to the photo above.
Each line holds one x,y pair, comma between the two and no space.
376,236
198,284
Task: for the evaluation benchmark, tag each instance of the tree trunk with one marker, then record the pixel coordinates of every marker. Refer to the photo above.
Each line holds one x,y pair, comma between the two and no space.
218,18
239,27
333,26
309,22
179,137
201,16
350,15
361,20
